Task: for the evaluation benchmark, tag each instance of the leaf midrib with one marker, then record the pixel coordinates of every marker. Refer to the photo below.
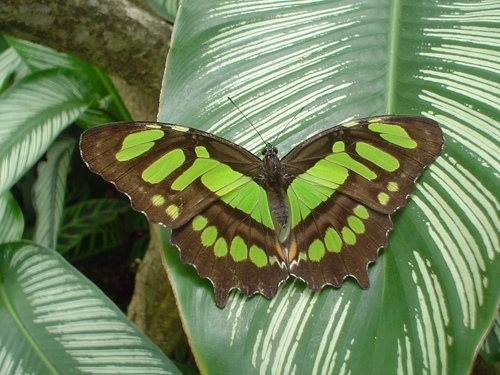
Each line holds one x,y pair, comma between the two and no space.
392,51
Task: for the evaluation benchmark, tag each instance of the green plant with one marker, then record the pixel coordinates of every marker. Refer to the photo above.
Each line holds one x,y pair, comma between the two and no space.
434,290
53,319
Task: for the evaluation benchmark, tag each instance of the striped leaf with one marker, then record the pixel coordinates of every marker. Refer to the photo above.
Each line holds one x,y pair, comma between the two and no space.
58,322
11,219
48,192
435,287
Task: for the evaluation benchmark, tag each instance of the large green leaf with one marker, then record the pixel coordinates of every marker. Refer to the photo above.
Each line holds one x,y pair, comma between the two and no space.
435,287
55,321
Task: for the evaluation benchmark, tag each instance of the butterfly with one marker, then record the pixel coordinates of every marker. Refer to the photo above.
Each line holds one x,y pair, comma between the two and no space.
320,213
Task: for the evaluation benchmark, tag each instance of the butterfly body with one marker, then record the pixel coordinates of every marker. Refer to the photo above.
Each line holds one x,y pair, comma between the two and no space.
273,181
320,213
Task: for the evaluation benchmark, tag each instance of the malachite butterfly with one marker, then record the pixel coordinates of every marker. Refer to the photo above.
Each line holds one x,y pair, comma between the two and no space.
321,213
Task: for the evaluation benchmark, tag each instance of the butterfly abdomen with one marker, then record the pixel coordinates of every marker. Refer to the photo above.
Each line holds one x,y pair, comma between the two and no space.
278,205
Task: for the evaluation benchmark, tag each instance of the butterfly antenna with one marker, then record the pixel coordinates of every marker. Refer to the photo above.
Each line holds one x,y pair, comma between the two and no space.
246,118
289,122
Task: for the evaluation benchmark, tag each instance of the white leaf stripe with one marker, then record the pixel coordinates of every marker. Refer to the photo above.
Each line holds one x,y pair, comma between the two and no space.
431,336
478,58
469,191
470,86
460,251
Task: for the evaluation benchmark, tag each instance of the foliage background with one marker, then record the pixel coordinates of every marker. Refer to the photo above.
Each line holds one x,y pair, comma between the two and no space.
434,289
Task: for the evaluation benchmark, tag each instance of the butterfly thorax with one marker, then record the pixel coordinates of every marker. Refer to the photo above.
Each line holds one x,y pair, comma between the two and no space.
272,175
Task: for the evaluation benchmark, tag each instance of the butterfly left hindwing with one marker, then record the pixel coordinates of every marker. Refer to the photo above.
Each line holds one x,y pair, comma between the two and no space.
233,250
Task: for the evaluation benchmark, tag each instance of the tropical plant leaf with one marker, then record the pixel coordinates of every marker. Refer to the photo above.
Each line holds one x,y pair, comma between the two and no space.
103,237
9,62
435,288
94,116
82,219
56,89
41,103
490,350
48,192
39,58
11,219
167,9
57,322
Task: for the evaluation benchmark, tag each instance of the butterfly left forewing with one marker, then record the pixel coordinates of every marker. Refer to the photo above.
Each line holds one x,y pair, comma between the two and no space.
159,166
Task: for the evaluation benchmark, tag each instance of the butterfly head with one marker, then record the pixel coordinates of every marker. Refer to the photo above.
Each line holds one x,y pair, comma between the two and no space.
269,151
